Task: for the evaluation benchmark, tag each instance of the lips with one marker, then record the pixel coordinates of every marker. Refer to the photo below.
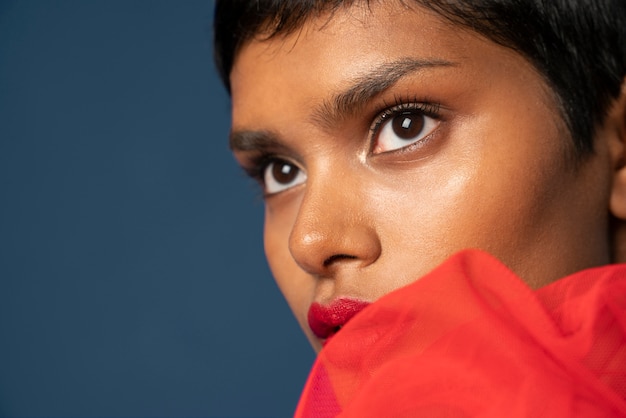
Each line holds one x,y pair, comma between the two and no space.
326,320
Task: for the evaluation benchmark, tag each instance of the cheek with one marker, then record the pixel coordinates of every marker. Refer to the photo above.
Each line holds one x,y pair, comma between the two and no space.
497,187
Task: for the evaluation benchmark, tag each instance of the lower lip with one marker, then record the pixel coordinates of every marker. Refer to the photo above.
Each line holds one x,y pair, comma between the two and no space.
325,320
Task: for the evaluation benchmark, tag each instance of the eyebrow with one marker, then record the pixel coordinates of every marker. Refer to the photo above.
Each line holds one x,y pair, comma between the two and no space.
367,86
253,141
349,102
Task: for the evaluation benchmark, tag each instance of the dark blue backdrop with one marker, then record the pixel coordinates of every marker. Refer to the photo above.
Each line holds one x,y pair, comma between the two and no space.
132,279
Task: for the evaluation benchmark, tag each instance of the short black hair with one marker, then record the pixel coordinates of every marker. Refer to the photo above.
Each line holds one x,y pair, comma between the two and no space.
579,46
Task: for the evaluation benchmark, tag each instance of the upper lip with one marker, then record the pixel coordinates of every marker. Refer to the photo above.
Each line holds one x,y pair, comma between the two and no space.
326,320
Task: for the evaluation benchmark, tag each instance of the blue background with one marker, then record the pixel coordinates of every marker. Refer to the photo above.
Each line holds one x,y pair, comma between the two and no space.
132,277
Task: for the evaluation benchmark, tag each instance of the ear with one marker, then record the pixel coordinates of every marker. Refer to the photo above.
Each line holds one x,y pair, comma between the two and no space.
615,128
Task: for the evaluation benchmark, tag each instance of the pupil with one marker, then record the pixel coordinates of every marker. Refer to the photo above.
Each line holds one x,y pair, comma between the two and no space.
407,125
283,172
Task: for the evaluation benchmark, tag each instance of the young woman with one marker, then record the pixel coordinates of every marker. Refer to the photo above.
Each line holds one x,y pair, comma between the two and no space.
454,172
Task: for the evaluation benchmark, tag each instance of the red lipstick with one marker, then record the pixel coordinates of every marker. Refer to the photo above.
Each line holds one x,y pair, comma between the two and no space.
326,320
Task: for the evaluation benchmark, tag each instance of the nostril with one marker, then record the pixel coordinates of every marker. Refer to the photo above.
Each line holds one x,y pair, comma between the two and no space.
330,260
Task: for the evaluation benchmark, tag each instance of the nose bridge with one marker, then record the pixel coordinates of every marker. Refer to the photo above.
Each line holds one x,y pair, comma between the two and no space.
332,226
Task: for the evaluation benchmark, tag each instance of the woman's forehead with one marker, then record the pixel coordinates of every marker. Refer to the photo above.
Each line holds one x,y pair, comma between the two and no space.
373,23
333,53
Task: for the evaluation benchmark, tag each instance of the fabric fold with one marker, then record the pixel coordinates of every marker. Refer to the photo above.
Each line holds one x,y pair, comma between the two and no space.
471,339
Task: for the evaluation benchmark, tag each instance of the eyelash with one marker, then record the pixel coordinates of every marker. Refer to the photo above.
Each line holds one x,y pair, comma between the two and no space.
400,105
256,165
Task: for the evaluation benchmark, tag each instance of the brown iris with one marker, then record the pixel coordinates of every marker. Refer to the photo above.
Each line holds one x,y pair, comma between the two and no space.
407,125
284,172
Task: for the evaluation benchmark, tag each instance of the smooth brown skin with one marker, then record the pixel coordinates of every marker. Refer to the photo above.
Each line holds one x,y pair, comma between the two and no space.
494,172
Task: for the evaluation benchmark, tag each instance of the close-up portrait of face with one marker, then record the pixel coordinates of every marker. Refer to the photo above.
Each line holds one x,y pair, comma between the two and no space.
313,208
389,137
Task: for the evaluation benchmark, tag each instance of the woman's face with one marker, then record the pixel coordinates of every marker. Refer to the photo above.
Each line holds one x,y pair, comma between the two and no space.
387,139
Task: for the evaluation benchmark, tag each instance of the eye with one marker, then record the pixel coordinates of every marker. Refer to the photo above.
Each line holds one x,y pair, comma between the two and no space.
400,128
281,175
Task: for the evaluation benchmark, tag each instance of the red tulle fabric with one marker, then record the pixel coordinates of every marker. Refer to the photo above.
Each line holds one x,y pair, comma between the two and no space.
470,339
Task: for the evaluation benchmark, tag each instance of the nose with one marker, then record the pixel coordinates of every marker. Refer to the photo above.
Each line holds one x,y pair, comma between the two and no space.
333,228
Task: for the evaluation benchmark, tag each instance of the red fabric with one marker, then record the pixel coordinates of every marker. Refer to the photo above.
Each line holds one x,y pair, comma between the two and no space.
470,339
